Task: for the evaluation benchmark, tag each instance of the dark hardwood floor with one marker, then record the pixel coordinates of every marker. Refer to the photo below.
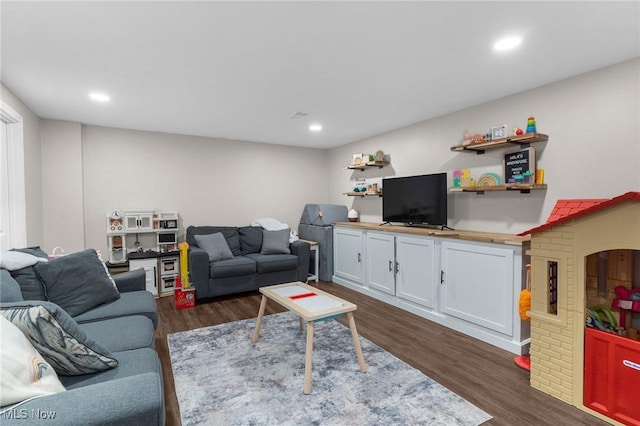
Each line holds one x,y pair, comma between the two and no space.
482,374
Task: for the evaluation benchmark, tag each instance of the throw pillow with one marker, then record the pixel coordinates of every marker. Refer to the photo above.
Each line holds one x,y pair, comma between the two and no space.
24,373
77,282
250,239
215,245
13,260
30,285
9,288
275,242
58,338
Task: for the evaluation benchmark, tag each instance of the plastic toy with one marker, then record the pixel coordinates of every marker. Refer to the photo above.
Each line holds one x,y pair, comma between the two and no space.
517,131
531,125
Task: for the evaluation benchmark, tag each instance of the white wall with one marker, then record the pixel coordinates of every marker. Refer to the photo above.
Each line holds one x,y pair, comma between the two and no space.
208,181
32,163
593,150
62,186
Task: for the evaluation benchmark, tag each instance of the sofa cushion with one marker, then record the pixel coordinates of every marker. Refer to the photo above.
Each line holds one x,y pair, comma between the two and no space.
9,288
230,234
130,303
266,263
239,265
30,285
130,363
275,242
77,282
250,239
215,245
109,333
23,372
56,336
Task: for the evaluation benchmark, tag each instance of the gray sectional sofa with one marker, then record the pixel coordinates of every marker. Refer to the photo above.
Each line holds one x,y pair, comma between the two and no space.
123,383
254,259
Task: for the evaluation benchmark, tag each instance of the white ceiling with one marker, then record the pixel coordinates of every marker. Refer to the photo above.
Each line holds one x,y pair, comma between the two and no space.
238,70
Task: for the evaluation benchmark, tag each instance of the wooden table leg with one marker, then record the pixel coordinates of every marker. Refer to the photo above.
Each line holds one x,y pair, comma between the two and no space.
356,342
308,364
263,305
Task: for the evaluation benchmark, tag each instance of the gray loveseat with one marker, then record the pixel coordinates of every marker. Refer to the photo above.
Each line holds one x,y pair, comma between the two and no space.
249,268
130,392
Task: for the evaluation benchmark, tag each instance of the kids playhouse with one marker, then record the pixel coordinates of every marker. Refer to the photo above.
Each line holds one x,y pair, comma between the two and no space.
585,265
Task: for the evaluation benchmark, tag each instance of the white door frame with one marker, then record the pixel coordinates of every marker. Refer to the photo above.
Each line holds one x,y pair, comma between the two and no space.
15,156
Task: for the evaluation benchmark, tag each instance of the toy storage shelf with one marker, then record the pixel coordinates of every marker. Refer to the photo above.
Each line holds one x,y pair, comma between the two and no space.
522,140
524,188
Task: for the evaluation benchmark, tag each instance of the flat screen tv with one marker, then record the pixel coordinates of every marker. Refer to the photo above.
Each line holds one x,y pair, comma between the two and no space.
415,200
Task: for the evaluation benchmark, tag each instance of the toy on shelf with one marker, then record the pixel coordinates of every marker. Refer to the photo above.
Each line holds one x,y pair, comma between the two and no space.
489,179
517,131
531,125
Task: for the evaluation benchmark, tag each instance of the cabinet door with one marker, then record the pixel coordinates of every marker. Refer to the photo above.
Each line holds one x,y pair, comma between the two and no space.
478,285
138,222
380,262
150,269
348,254
416,270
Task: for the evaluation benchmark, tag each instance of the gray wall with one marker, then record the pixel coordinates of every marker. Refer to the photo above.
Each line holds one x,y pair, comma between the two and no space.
593,150
208,181
32,169
76,173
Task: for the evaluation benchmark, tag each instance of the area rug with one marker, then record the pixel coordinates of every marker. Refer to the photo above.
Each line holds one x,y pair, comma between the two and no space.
221,378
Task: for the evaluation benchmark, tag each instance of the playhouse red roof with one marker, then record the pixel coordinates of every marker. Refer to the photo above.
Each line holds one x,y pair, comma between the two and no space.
566,210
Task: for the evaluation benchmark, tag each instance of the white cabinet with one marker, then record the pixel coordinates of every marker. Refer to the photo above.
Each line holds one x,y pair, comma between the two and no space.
416,270
467,285
477,284
138,221
150,268
348,254
401,266
381,262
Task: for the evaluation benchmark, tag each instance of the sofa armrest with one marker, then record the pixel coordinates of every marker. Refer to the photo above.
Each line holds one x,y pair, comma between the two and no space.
302,250
198,267
134,400
131,281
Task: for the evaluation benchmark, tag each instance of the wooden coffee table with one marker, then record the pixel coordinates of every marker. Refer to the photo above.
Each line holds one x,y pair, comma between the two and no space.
311,305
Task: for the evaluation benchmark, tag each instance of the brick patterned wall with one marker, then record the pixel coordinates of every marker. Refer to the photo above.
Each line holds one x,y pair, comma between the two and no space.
552,337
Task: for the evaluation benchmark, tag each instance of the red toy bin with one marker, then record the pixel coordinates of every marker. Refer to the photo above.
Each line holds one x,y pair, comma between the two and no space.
612,376
184,298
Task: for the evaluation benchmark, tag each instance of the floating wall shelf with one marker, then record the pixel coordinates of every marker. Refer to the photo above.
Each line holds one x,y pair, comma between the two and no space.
522,140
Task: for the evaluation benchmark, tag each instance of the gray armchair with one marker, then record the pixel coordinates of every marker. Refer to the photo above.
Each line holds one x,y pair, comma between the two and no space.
316,225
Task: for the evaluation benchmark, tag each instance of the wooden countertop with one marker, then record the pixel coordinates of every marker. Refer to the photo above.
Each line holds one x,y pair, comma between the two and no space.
486,237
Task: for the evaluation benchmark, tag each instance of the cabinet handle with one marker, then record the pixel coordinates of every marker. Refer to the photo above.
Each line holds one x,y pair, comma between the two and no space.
397,267
441,277
359,258
390,266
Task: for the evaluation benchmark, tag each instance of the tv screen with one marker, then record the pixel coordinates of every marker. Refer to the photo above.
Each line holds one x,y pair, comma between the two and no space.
415,200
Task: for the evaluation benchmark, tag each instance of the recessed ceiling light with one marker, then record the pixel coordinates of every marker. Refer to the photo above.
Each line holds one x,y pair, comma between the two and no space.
507,43
99,97
315,127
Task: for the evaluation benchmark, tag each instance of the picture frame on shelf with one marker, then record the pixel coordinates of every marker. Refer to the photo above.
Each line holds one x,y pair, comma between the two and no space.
358,159
519,163
498,132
